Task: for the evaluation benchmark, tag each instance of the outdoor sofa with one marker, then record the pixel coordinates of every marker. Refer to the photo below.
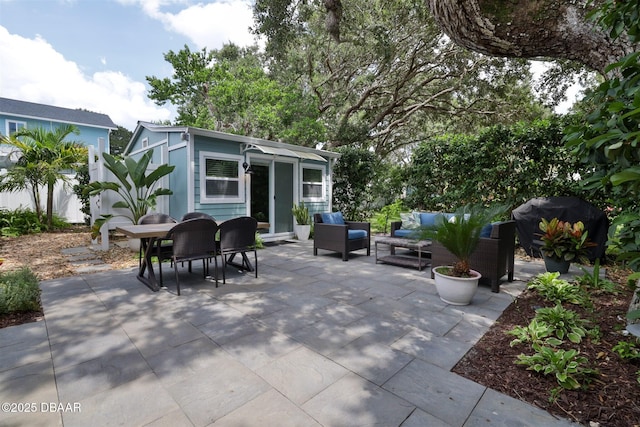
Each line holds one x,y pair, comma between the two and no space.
493,258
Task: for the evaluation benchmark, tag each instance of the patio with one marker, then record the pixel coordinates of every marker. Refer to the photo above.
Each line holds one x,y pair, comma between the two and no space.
313,341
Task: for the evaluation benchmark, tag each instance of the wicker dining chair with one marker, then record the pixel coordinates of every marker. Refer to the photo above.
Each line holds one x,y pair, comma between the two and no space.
193,215
194,239
238,236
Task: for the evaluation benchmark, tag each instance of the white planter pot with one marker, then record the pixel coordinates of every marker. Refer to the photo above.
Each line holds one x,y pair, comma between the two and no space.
456,290
134,244
302,231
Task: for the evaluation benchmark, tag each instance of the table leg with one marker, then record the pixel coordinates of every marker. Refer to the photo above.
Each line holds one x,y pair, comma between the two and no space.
150,280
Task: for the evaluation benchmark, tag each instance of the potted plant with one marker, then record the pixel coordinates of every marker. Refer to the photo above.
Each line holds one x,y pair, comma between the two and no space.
302,223
137,190
563,243
460,234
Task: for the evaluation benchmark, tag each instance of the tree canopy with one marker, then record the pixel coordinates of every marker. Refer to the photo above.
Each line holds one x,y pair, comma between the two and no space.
384,75
229,90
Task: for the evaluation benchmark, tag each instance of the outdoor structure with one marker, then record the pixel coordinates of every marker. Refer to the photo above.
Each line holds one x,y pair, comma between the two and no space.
227,176
15,115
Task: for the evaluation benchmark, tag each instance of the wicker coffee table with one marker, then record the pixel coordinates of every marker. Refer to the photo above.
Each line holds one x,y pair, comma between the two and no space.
419,246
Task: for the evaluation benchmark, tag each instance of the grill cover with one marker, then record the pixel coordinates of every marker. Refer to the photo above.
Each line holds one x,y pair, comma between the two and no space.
572,209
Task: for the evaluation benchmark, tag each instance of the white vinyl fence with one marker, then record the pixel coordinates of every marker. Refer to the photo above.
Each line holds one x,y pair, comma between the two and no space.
65,203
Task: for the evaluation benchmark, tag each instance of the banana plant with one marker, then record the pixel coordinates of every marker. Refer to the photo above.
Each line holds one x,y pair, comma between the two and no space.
137,190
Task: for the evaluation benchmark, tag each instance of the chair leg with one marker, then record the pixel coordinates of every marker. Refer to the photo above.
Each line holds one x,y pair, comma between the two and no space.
215,262
255,256
224,267
175,268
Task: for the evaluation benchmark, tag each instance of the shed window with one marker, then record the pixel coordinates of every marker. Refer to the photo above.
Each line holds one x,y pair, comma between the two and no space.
312,183
221,179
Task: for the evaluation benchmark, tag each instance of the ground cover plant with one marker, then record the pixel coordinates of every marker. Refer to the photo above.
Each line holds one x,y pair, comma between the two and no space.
561,346
19,294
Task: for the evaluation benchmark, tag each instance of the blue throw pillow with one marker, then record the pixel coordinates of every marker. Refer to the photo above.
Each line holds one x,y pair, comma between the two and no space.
427,219
333,218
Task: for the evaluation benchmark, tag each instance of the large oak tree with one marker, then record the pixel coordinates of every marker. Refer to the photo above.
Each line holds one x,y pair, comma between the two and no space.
530,29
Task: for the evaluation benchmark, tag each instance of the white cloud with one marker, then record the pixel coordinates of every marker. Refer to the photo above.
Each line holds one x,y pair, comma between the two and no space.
207,25
34,71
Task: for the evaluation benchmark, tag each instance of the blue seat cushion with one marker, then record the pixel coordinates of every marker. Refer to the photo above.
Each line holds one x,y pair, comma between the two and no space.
404,233
332,218
486,230
356,234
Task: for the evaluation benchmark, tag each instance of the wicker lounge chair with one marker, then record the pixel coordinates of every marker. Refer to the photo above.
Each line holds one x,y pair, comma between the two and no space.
331,232
194,239
493,258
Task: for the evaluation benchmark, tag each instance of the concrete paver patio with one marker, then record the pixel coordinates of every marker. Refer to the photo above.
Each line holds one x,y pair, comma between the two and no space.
313,341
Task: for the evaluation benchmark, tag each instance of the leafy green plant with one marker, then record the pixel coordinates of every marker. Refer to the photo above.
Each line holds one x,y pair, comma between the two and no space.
19,291
564,241
556,290
628,350
566,365
301,214
593,282
137,190
382,218
536,332
22,221
563,323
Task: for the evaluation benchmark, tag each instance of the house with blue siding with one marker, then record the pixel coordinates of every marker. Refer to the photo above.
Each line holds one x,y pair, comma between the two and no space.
15,115
226,175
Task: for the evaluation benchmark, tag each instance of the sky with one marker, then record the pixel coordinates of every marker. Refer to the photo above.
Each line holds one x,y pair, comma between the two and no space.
95,54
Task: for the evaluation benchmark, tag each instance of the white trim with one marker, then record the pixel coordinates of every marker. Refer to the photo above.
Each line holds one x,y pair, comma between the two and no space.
204,199
323,182
17,122
191,177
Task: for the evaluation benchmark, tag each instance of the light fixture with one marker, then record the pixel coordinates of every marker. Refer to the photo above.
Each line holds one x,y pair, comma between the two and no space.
247,168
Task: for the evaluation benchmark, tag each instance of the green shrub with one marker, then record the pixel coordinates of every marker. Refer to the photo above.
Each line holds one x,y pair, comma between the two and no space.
381,220
19,291
21,221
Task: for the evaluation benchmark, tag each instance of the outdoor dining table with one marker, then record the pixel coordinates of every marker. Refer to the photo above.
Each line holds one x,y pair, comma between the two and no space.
149,234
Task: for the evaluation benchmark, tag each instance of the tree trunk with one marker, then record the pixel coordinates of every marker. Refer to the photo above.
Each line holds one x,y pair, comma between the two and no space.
529,29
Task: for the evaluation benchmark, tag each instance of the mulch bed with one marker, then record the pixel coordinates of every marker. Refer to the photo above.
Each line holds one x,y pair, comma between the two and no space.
611,399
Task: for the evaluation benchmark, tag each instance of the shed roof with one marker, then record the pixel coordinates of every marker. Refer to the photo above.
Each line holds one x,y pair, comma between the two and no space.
33,110
263,145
